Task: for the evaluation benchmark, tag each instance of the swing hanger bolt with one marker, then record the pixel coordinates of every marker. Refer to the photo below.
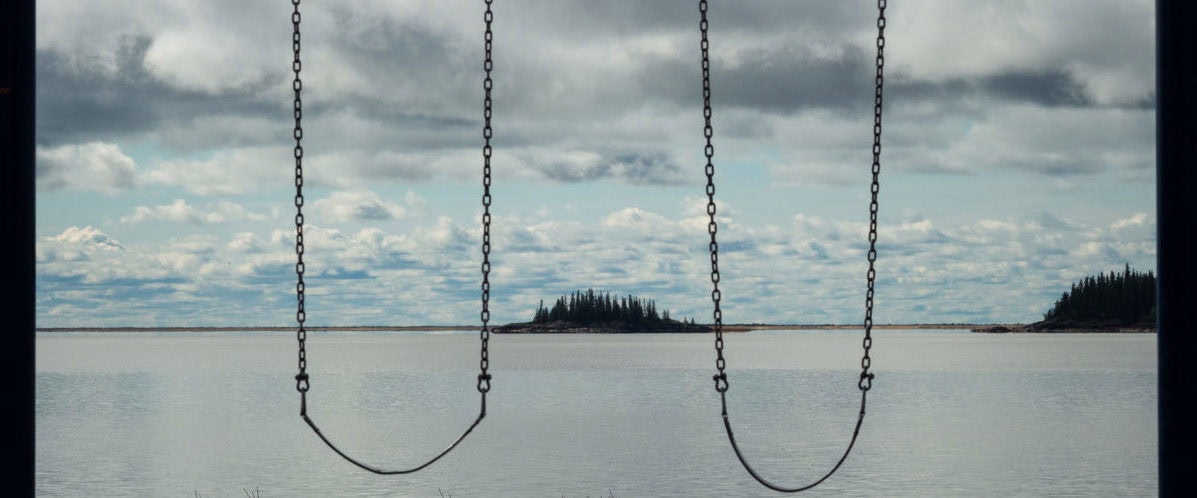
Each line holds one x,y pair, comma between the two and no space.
866,381
720,382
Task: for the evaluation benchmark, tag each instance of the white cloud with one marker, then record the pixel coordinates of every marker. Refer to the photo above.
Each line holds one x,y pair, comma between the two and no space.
244,242
208,61
1108,46
228,171
393,97
808,272
634,218
1135,220
1057,143
362,168
357,205
446,234
206,132
1091,249
89,236
93,33
75,244
181,212
94,166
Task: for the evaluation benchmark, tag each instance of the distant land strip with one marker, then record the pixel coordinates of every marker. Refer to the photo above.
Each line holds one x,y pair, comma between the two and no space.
740,327
349,328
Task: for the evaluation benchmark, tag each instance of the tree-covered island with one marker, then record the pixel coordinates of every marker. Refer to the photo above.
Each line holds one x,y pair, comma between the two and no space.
599,312
1117,301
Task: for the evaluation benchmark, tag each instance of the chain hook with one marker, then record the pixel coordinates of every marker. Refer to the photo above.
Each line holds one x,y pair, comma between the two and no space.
721,382
866,381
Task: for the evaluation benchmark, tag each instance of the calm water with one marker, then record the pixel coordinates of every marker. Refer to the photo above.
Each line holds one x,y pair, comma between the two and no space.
951,414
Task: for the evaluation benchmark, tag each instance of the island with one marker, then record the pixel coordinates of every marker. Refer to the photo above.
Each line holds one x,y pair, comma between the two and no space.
590,312
1114,302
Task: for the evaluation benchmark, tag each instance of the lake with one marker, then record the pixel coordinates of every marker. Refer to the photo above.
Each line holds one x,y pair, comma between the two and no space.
951,413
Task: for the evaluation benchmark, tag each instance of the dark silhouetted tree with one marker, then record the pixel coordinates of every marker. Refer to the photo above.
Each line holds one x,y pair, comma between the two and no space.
592,307
1125,298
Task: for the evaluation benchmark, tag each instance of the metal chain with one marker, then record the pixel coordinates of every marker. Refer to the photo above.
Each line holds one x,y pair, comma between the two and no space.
301,380
712,227
866,378
302,383
487,84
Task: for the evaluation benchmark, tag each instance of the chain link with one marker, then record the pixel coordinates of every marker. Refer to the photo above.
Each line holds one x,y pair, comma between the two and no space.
301,380
712,227
866,377
487,85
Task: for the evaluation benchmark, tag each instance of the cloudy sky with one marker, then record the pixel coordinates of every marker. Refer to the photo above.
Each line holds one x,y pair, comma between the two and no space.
1019,155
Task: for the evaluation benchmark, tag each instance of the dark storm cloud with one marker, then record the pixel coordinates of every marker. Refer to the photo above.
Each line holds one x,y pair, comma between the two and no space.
634,168
77,105
647,169
385,91
790,80
1051,88
1046,88
411,69
580,18
373,212
772,81
1085,164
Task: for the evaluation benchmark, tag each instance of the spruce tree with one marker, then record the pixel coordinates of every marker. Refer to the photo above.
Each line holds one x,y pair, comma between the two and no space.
1121,299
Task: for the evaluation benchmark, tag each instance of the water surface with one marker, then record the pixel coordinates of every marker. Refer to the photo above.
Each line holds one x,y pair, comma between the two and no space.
951,414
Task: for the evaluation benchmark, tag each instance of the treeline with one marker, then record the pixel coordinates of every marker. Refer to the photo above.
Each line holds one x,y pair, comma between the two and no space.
592,307
1114,299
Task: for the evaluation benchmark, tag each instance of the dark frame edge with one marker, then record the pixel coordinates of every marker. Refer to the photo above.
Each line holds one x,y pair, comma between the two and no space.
1176,153
17,198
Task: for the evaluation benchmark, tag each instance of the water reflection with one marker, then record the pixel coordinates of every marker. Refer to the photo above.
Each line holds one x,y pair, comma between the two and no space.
951,414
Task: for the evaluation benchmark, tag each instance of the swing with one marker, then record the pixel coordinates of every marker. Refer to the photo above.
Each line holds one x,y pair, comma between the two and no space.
866,378
302,381
483,386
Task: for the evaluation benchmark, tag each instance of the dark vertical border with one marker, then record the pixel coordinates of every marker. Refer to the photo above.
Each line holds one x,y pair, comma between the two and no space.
16,231
1176,199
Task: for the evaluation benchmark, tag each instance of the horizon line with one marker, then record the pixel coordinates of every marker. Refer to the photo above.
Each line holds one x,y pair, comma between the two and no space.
368,328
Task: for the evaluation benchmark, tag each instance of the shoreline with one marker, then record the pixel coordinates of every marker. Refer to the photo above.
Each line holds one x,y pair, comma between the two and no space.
739,327
1030,329
334,328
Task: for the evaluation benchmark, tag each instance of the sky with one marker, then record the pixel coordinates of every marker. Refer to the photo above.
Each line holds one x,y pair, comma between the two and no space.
1018,155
